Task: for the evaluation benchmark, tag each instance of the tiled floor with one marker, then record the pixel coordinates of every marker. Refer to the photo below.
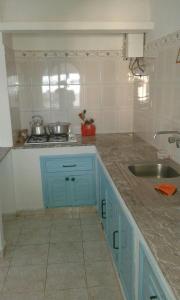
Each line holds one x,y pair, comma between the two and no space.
60,255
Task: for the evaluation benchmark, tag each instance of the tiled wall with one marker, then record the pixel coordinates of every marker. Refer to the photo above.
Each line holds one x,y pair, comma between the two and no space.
157,97
13,92
58,88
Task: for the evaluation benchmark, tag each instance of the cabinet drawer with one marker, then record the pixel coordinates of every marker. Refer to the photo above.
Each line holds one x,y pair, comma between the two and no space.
150,285
65,164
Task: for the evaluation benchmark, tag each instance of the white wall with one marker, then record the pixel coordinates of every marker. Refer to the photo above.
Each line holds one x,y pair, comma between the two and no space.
59,41
5,119
102,87
165,15
157,104
109,100
12,89
7,199
0,11
8,204
75,10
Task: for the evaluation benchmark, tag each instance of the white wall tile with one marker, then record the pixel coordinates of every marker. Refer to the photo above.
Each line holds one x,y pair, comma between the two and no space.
26,118
109,96
99,85
125,120
39,71
40,97
163,113
110,121
108,71
75,96
59,115
25,98
24,71
92,96
13,93
57,71
46,115
74,71
92,70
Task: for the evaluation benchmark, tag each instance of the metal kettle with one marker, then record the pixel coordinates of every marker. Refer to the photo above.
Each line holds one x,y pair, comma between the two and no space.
37,127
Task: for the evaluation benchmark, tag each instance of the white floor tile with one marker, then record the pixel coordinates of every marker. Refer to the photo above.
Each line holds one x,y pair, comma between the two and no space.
65,276
72,234
34,236
30,255
96,251
25,279
100,274
65,252
104,293
72,294
23,296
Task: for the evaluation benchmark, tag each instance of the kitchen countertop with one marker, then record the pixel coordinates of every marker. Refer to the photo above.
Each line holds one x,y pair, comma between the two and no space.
3,152
157,216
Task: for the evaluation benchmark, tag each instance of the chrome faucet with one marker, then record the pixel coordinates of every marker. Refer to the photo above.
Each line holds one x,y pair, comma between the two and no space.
166,132
171,139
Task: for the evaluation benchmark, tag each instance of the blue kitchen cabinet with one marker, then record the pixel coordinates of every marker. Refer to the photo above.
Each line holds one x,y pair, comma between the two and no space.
113,212
82,189
150,287
118,231
126,255
68,180
57,191
102,200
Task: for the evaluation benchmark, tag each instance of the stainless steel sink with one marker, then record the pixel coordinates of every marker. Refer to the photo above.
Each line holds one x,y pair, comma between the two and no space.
153,170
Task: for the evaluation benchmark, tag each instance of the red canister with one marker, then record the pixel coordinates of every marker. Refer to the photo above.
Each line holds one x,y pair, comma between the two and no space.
88,129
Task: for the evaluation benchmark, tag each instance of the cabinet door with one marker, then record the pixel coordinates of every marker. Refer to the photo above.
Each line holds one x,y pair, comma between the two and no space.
102,201
112,223
57,190
82,188
149,285
126,255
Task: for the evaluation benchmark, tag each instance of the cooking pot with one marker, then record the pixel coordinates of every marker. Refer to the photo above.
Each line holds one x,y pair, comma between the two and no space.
59,128
37,130
37,127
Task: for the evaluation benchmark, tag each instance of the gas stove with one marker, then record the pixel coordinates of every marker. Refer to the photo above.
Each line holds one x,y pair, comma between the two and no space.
51,139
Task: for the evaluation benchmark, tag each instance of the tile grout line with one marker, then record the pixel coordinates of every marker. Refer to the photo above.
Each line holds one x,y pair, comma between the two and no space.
10,260
84,260
47,258
48,251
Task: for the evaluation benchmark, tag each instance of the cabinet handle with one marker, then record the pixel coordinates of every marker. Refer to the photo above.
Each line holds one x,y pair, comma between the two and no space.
73,179
69,166
153,297
114,239
103,212
67,178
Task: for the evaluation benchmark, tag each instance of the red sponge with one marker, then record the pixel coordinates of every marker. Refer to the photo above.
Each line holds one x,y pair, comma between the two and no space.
167,189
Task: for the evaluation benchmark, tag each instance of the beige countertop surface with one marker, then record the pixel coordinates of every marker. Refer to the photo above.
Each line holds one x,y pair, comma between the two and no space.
157,216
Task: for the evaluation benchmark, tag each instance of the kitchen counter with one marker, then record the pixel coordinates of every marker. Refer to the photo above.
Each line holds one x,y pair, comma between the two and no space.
157,216
3,152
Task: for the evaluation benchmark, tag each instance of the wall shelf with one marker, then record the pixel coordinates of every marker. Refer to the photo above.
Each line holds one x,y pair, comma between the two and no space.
77,27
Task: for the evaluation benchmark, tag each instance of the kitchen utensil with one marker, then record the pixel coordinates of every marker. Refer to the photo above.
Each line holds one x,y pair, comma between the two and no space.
88,129
59,128
37,127
82,115
37,130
